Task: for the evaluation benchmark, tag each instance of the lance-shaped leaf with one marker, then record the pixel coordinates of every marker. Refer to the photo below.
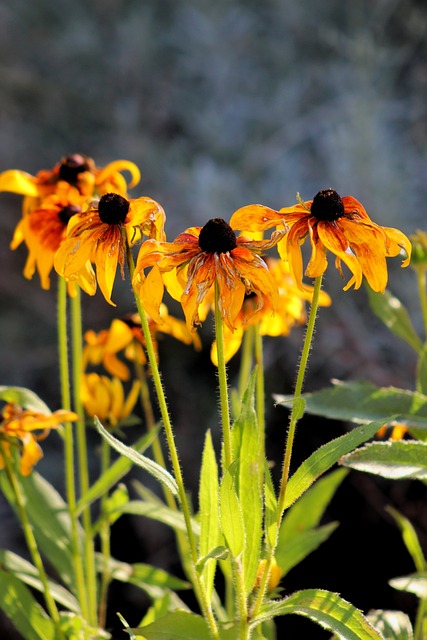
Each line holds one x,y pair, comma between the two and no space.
231,517
20,606
328,610
364,402
324,458
415,583
391,459
394,625
210,534
24,398
410,538
140,460
179,625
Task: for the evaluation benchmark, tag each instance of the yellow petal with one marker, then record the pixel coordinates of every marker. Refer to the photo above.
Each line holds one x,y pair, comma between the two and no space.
18,182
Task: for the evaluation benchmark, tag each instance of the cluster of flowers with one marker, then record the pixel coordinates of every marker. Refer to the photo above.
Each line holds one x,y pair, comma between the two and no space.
78,216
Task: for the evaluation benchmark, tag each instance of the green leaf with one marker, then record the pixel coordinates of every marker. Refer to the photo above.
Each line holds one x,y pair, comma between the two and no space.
210,534
28,574
328,610
410,539
178,625
154,511
23,610
48,514
422,371
231,516
145,463
393,625
391,459
324,458
24,398
394,315
115,472
249,479
415,583
364,402
218,553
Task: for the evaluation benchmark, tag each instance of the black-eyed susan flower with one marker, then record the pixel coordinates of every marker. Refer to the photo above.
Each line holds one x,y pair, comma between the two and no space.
335,224
18,428
105,398
44,228
96,236
290,311
75,169
199,257
126,335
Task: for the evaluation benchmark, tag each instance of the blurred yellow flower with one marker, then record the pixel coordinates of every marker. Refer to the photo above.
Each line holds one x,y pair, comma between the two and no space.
198,258
17,427
105,398
290,311
125,334
339,225
96,236
397,432
275,574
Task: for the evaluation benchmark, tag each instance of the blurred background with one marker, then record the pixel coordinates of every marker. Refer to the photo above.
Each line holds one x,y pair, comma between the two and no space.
222,104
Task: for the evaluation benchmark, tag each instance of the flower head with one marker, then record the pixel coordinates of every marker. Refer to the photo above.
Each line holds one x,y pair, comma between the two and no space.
332,223
18,427
44,228
199,258
75,169
96,236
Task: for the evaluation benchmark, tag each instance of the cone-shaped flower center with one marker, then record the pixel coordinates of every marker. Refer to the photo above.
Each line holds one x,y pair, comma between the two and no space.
68,212
217,237
327,205
71,166
113,208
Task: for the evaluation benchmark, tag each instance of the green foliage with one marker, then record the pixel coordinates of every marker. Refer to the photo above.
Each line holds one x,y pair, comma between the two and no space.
394,460
393,625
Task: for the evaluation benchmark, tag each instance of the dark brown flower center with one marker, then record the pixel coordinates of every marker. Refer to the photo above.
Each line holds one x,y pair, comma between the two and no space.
71,166
217,237
113,208
68,212
327,205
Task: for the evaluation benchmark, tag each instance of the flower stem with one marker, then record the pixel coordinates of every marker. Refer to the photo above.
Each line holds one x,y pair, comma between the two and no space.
83,467
105,538
421,280
31,541
294,417
69,445
199,588
223,384
246,360
260,400
295,411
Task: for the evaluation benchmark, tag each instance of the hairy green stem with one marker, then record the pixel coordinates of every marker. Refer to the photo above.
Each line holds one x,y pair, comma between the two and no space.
223,384
199,588
64,375
83,466
421,280
31,541
105,537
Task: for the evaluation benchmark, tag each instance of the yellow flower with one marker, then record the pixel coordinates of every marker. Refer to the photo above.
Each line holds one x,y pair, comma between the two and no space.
44,229
96,236
17,426
339,225
397,432
105,398
275,574
75,169
290,311
198,258
125,334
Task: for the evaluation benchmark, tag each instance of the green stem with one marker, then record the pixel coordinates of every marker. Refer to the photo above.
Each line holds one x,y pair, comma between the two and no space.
199,588
260,399
69,445
296,407
223,384
421,280
246,360
294,417
31,541
105,537
83,467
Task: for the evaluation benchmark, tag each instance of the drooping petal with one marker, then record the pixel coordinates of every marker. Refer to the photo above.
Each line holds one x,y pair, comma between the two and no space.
255,217
336,241
20,182
32,453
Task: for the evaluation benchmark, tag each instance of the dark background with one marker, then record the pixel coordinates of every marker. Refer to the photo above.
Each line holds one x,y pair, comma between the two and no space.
220,105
